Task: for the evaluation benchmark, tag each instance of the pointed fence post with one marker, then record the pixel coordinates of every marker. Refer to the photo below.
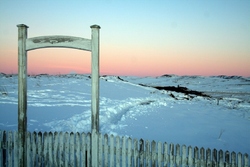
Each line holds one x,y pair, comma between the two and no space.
95,95
22,94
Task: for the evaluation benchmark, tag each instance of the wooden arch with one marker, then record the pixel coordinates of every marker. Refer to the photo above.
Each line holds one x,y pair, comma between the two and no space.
26,44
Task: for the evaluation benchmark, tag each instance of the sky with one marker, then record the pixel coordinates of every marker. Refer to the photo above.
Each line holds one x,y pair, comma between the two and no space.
137,38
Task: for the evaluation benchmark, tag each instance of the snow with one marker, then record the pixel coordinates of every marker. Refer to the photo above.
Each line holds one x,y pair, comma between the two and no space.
131,106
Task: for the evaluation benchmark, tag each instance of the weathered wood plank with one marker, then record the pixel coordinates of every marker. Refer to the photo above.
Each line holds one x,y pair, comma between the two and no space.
159,157
227,158
190,156
77,150
208,157
129,152
184,155
202,157
58,41
61,149
1,147
124,150
117,151
246,160
50,151
106,150
16,152
196,157
112,151
178,155
83,149
66,149
100,149
233,159
165,154
141,152
88,149
171,155
29,148
148,155
56,149
153,150
221,159
72,149
239,157
136,152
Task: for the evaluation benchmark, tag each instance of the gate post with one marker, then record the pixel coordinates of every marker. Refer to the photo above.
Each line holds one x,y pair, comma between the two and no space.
95,95
22,94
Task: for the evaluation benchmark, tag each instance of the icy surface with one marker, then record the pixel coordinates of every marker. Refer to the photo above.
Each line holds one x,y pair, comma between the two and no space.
131,106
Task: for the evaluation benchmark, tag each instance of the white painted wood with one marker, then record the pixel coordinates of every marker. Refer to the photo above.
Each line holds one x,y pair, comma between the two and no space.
178,155
124,151
95,94
100,150
22,93
61,149
66,149
72,149
56,149
148,155
112,151
136,152
154,151
77,150
159,157
130,153
89,150
83,149
29,153
106,150
184,155
165,154
39,149
58,41
117,151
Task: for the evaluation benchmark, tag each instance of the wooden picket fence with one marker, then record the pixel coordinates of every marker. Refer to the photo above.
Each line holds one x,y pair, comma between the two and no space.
73,149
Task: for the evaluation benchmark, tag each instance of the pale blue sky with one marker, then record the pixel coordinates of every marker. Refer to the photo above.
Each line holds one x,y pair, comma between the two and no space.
208,32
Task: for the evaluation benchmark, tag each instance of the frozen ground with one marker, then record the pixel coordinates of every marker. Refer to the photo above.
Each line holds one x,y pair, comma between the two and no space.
212,112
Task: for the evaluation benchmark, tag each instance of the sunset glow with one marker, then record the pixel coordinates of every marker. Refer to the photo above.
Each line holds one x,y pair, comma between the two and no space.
140,38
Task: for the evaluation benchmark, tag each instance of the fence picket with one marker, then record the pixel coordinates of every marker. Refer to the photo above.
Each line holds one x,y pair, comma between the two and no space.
227,158
221,159
190,158
129,152
171,155
124,150
106,150
40,149
196,157
154,151
233,159
136,153
56,149
117,151
165,154
159,157
61,148
177,157
208,157
148,155
202,157
28,146
112,151
214,158
88,141
16,152
100,150
239,160
184,155
50,146
141,152
246,160
73,149
83,149
77,150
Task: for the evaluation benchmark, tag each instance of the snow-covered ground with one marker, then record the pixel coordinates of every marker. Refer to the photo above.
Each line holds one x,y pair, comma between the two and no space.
213,112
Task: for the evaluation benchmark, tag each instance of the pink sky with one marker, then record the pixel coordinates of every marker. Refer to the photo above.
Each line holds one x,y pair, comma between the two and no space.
140,39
